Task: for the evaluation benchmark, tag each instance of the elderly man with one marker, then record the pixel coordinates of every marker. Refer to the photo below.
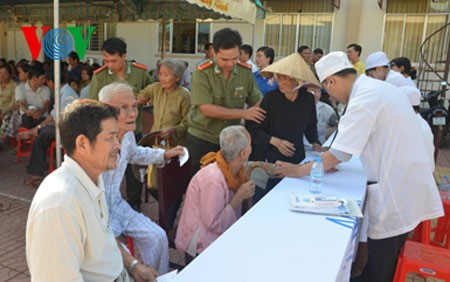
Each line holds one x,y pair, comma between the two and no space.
377,66
214,196
147,235
68,234
378,126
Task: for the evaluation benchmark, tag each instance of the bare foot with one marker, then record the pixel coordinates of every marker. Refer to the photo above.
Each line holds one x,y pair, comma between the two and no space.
32,179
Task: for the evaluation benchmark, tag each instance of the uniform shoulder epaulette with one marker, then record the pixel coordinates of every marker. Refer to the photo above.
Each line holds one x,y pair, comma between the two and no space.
245,65
141,66
100,69
205,65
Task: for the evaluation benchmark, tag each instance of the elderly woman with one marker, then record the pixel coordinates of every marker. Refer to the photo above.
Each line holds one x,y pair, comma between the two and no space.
214,196
171,102
264,58
290,115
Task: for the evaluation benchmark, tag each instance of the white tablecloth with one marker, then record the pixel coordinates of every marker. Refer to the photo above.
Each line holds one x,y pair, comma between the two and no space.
270,243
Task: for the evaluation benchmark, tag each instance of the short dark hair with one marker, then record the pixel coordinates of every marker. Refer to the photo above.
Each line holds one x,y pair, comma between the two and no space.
83,117
50,75
36,71
89,70
371,69
6,67
114,45
24,66
74,56
357,48
344,73
247,49
207,45
406,64
318,51
226,38
302,48
268,52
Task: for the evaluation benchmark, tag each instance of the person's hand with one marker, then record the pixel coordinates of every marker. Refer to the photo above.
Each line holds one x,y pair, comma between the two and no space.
286,148
319,148
165,134
246,190
174,152
360,262
255,114
142,273
283,169
142,100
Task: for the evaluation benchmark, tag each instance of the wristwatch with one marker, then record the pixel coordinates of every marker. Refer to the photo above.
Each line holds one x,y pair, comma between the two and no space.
132,265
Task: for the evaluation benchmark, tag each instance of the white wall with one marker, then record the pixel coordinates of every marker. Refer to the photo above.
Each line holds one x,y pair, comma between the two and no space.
142,41
371,28
340,24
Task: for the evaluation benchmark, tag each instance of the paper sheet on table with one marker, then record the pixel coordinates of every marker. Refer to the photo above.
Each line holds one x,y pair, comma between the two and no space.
167,277
184,158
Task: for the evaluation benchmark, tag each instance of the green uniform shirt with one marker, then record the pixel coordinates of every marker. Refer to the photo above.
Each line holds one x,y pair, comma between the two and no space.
209,86
136,76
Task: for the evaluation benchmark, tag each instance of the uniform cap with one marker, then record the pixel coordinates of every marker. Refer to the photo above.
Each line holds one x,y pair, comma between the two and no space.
332,63
293,66
376,59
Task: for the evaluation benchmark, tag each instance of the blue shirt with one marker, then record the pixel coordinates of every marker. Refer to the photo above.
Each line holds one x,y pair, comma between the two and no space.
264,83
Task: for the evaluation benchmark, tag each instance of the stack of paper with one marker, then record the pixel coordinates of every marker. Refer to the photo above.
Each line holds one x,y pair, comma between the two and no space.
321,204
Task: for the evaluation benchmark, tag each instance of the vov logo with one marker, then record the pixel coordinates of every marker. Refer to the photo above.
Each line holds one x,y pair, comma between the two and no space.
57,43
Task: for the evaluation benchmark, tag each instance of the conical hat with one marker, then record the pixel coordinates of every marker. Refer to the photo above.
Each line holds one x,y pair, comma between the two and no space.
293,66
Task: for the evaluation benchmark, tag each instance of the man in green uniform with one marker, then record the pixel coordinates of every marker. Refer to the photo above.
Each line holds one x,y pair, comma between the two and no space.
220,90
117,68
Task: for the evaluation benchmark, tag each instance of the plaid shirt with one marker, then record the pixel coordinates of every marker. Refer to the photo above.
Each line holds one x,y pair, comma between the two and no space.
119,210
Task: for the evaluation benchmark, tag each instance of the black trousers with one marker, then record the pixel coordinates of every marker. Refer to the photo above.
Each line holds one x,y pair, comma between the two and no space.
383,255
29,122
134,187
197,149
37,164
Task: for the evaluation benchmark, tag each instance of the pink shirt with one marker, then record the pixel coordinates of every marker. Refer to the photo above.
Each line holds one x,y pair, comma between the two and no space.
206,209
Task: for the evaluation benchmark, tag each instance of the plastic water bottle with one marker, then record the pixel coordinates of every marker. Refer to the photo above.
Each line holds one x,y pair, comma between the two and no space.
316,176
444,187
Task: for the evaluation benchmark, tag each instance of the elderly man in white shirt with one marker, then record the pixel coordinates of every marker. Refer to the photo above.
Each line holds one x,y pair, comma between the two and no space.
147,236
68,233
379,127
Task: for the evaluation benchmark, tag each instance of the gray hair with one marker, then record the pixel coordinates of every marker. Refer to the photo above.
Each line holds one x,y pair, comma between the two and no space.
108,92
233,139
176,66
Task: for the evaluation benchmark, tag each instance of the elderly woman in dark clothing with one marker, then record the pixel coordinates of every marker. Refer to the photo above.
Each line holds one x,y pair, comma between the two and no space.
290,115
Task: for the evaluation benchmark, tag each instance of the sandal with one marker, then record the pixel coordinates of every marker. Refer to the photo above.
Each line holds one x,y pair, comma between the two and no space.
30,180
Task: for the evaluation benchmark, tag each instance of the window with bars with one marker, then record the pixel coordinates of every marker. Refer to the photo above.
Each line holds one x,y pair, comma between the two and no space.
286,32
103,31
404,33
185,37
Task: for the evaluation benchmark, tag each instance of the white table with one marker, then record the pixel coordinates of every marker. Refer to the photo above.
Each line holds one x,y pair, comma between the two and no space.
270,243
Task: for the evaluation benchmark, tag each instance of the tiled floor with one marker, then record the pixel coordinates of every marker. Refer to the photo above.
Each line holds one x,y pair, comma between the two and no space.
15,199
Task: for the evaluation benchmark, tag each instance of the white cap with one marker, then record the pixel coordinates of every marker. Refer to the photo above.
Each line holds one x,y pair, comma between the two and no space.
412,93
332,63
376,59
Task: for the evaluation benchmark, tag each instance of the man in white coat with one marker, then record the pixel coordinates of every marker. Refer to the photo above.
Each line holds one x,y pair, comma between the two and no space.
378,126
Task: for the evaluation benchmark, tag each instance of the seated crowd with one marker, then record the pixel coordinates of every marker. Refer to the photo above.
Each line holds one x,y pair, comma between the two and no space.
284,106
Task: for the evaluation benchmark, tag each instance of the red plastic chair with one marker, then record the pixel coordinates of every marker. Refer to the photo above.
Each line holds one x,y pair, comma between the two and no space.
426,256
24,147
51,166
442,230
429,261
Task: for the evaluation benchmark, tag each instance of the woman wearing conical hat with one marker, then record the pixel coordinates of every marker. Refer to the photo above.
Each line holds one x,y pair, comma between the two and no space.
290,115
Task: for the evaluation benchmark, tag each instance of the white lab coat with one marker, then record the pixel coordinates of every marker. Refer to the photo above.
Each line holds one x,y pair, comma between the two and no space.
381,127
427,134
397,79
